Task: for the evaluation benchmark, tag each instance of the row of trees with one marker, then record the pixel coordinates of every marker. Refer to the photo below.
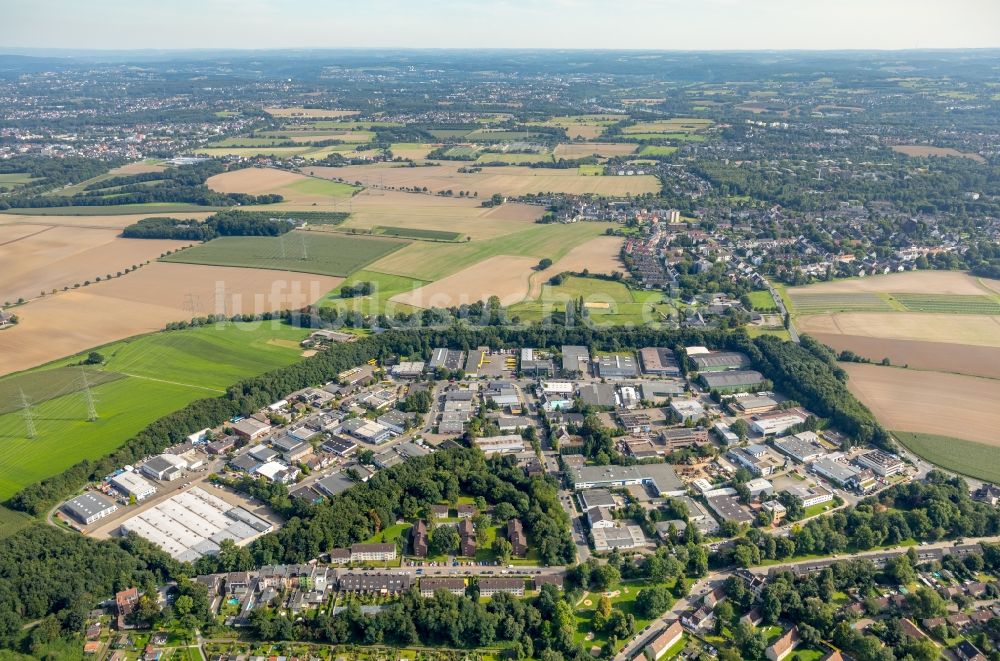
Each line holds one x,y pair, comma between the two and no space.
224,223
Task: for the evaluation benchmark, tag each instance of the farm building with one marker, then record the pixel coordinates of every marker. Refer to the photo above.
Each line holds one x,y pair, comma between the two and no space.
732,381
89,507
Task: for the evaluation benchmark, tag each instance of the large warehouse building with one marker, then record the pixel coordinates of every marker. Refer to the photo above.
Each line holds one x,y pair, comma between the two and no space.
193,523
89,507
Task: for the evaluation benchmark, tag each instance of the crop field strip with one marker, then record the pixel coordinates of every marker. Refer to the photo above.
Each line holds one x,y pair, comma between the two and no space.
415,233
948,303
38,387
839,302
302,252
976,460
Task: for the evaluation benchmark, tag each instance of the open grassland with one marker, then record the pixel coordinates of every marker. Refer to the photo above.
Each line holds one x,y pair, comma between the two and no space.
656,150
510,180
49,257
153,375
586,127
576,150
514,159
929,402
980,330
309,112
761,300
432,261
386,286
977,460
608,303
145,301
43,385
927,151
11,180
414,151
678,125
12,521
302,252
940,356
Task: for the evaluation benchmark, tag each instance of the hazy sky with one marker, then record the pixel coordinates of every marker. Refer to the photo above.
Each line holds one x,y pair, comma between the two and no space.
643,24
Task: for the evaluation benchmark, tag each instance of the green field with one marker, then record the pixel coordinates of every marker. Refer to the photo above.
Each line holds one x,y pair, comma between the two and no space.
158,374
12,521
623,600
803,303
461,151
761,300
590,170
976,460
11,180
656,150
115,210
386,286
317,186
40,387
948,303
445,134
415,233
625,306
304,252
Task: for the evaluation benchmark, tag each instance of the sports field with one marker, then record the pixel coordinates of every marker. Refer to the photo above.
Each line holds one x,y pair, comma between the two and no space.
147,377
302,252
976,460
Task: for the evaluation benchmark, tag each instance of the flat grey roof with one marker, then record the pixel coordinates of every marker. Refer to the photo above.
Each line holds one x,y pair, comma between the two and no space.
662,475
732,378
87,505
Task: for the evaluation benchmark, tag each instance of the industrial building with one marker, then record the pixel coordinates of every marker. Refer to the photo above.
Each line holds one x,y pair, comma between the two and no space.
250,429
810,496
773,425
532,364
368,431
882,463
657,391
659,361
408,370
755,404
687,409
659,477
500,444
729,507
590,498
732,381
598,394
194,523
89,507
164,467
625,537
133,485
683,437
617,366
449,359
719,361
836,472
803,447
575,359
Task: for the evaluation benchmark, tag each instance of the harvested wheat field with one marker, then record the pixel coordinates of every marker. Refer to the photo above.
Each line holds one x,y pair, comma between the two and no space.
465,216
503,276
510,180
929,402
915,282
86,222
981,330
55,257
939,356
600,255
584,149
925,150
146,301
140,167
309,112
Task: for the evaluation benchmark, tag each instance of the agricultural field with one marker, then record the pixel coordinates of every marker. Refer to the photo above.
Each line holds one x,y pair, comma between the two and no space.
656,150
144,378
414,151
385,288
514,159
427,261
297,189
309,112
929,402
576,150
146,210
608,303
977,330
819,303
586,127
12,180
953,283
40,258
415,233
680,126
949,303
12,521
503,276
301,252
927,151
939,356
509,180
144,302
976,460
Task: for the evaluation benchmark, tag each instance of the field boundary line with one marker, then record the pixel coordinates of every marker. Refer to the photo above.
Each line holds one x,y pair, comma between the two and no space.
174,383
22,238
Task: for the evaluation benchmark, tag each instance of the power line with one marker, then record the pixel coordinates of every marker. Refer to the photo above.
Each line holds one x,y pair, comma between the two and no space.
305,249
89,396
29,418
